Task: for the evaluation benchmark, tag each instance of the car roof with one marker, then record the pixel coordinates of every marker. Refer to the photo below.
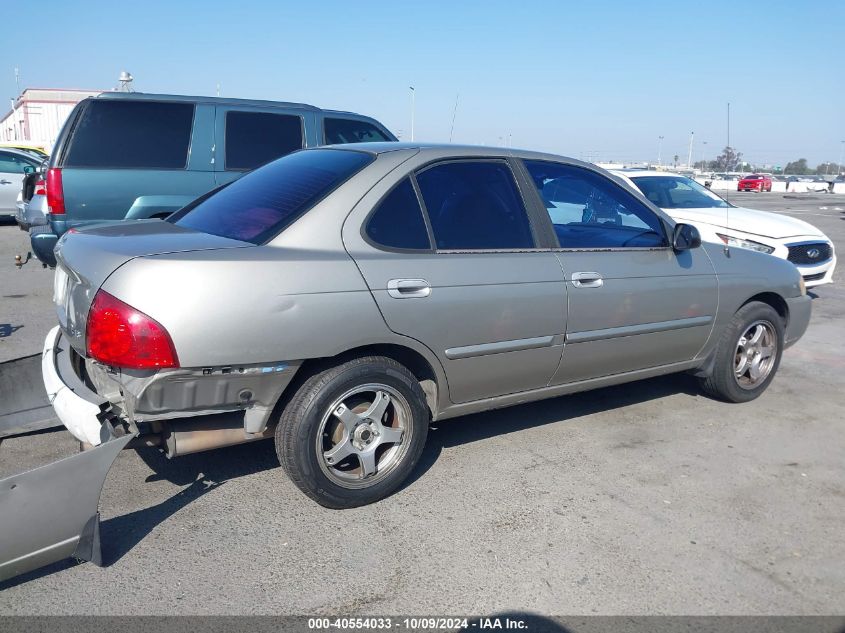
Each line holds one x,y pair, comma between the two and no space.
445,150
148,96
21,152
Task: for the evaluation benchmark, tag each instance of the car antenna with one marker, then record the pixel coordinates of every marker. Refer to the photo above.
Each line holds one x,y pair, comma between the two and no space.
727,191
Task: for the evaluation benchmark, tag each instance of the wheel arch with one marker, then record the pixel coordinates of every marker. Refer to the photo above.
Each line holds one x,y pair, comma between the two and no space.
774,300
427,371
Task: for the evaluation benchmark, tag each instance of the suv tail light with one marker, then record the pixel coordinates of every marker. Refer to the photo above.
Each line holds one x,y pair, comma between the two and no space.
55,193
121,336
40,188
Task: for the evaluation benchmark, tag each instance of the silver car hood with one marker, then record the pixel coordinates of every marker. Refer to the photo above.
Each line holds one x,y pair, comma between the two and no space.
87,258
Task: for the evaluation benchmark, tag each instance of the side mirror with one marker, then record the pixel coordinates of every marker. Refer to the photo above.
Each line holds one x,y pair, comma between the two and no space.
685,237
28,169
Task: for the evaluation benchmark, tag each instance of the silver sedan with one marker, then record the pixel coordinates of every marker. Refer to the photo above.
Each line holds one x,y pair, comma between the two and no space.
340,299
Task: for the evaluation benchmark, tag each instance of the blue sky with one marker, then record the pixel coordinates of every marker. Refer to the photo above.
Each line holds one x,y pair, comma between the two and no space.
596,80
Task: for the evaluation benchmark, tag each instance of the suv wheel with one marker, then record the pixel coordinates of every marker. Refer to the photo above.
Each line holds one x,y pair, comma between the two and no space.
748,354
351,434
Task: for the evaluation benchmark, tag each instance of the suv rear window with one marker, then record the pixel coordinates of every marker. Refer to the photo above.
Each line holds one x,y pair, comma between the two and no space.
340,131
258,206
126,134
255,138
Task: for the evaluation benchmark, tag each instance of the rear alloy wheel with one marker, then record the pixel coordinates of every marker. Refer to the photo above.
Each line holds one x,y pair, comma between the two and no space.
351,434
748,354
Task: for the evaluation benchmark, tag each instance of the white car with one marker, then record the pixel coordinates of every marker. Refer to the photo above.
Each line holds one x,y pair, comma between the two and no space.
719,221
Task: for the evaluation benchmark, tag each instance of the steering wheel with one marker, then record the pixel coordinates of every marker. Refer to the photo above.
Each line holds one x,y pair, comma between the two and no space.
640,234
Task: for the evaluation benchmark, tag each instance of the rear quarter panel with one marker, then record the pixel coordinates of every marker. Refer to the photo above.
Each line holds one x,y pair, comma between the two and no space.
256,305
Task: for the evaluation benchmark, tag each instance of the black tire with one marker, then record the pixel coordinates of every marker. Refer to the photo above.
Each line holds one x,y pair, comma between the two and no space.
301,422
722,383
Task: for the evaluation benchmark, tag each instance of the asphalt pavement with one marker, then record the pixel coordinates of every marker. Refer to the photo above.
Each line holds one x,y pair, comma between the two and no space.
648,498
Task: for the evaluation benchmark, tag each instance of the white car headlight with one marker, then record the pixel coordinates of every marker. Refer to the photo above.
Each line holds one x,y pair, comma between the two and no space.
730,240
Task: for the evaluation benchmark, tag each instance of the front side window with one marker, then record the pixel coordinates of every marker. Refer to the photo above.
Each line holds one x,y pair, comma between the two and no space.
671,192
397,221
475,205
256,138
261,204
351,131
590,211
11,164
132,134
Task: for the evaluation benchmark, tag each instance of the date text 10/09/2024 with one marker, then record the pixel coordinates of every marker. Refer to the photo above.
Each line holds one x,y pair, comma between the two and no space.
449,624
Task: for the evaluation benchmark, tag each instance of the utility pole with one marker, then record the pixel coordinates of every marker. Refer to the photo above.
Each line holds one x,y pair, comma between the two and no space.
659,149
689,156
454,112
413,107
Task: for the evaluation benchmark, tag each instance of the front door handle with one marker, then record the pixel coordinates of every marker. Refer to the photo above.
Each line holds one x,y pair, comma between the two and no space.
408,288
587,280
6,182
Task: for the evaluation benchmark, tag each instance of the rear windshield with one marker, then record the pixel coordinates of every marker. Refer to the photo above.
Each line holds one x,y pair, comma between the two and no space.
259,205
132,134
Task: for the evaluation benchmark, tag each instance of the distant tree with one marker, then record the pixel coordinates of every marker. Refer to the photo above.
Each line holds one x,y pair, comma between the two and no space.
728,160
675,160
828,169
797,168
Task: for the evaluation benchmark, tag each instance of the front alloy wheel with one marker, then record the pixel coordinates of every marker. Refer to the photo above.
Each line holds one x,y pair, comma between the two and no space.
747,355
755,354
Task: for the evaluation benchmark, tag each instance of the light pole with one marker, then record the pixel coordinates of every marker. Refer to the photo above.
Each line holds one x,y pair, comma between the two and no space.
703,154
413,105
689,156
659,149
841,154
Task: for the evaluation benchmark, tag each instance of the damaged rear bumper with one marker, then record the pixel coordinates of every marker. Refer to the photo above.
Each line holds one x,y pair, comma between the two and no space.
81,410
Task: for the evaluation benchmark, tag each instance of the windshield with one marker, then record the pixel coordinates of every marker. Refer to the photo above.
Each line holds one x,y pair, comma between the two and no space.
671,192
256,207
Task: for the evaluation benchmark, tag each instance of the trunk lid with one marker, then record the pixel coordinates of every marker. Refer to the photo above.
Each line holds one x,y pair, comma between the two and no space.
85,259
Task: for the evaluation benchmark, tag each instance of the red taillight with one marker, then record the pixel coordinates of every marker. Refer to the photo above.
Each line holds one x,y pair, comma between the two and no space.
40,188
55,193
122,336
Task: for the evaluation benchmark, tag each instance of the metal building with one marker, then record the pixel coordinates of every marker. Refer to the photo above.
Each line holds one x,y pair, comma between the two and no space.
38,114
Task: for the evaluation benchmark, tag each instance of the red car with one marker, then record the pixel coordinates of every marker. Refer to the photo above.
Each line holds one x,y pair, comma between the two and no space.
755,182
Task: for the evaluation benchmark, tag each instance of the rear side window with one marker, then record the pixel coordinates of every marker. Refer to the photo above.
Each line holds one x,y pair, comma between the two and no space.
398,222
258,206
256,138
474,205
125,134
351,131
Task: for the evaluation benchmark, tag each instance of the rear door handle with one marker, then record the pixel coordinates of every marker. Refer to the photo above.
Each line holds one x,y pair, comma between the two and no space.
408,288
587,280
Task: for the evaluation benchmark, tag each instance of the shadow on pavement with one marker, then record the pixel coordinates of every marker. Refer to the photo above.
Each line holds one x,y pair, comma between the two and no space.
202,472
480,426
